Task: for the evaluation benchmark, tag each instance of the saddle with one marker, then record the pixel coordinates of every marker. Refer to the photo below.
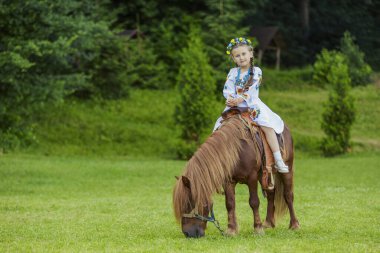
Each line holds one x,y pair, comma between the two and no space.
267,179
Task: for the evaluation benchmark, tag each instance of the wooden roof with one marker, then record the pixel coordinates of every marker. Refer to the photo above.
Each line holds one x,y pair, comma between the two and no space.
267,37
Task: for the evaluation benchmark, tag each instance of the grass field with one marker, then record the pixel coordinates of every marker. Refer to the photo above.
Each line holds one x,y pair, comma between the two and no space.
135,126
100,179
113,204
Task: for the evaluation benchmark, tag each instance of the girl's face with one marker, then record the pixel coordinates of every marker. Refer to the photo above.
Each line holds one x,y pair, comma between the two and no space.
242,56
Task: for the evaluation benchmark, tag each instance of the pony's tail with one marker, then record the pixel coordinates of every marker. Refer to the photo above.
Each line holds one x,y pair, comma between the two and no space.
280,206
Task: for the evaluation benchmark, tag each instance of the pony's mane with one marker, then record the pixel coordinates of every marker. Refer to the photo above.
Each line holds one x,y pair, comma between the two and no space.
211,166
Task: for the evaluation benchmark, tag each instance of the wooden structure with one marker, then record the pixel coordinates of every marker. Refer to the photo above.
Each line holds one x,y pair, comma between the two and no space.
268,38
132,34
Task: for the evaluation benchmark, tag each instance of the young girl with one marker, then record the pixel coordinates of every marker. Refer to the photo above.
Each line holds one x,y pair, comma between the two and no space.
242,90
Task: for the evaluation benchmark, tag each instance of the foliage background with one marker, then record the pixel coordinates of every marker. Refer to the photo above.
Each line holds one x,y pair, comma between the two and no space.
51,52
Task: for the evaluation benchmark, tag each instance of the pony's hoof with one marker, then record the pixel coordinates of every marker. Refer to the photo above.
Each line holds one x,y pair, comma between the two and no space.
259,231
231,232
294,226
268,224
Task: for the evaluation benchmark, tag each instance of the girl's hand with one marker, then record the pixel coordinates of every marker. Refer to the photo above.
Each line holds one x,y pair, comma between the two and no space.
239,100
231,102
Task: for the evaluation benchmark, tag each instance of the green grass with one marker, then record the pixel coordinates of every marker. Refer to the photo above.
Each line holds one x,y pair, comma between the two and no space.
143,125
302,111
113,204
289,79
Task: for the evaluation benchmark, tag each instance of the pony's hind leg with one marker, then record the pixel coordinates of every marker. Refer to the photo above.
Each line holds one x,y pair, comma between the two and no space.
254,202
289,197
229,191
270,221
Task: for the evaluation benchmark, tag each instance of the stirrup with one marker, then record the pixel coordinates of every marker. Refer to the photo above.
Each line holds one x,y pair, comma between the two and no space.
271,183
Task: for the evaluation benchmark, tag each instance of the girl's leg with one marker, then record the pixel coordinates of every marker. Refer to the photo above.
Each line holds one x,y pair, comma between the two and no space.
271,138
270,135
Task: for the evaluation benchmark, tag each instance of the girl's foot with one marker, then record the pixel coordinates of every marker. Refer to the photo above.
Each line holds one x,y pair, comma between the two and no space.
281,166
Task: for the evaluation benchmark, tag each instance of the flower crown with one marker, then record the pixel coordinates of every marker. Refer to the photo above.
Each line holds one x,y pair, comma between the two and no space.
237,41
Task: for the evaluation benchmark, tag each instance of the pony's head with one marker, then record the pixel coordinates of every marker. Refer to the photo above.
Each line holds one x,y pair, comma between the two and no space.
187,211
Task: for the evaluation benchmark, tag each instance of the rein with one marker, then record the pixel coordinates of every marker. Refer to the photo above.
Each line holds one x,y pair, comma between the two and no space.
194,214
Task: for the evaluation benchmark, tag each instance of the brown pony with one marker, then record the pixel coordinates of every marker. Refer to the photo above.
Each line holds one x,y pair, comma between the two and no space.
230,156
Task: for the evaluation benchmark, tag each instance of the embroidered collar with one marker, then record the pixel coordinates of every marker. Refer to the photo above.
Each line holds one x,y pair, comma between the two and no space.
244,80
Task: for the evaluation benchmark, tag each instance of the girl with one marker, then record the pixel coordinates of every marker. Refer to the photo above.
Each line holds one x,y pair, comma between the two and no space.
242,89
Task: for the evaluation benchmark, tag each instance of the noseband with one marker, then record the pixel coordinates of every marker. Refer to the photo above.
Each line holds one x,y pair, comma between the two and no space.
194,214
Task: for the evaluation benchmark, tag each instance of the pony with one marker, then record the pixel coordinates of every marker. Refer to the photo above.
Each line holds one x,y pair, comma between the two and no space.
229,156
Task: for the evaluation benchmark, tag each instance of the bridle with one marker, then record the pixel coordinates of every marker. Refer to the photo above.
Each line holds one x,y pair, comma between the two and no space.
194,214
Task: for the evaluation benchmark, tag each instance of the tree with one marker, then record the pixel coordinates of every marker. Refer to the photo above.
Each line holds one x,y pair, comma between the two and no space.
359,70
167,25
143,68
339,113
196,87
47,51
304,14
218,30
323,66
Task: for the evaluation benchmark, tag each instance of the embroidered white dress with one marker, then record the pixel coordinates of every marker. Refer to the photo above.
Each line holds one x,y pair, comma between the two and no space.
266,117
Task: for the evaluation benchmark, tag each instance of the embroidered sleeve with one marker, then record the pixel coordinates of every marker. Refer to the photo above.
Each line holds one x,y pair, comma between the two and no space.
259,79
229,86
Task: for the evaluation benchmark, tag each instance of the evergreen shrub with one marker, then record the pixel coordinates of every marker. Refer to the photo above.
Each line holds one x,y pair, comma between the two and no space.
339,113
359,70
323,64
196,87
107,70
166,38
144,70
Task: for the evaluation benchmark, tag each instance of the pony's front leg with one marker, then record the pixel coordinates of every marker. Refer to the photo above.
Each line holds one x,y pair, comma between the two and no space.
229,191
254,202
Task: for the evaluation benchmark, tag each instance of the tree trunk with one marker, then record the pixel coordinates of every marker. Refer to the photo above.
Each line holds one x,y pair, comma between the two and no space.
304,13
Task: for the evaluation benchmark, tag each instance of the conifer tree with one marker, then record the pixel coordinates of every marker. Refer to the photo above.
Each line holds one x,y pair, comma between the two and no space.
48,50
222,22
196,87
359,70
339,113
143,68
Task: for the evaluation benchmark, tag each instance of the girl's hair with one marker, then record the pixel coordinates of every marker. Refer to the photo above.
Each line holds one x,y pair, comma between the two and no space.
250,79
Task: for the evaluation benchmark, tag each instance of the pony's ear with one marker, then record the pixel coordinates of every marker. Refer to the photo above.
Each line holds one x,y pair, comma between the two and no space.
176,177
186,182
